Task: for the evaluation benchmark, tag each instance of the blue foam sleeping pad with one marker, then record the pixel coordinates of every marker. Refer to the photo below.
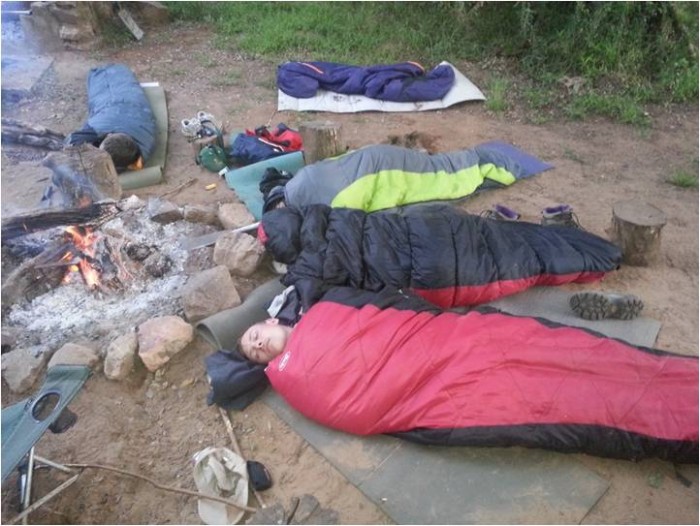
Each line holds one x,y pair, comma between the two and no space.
245,181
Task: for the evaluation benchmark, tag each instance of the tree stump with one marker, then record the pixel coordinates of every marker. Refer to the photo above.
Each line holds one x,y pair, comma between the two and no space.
322,139
636,229
84,174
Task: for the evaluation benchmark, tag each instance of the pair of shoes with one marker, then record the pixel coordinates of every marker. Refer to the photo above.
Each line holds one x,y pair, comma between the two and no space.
600,306
501,213
560,215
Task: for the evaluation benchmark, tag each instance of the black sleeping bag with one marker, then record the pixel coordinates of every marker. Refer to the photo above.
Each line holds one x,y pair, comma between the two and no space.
443,254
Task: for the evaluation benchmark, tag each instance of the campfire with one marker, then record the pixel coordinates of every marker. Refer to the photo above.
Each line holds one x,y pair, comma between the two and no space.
91,270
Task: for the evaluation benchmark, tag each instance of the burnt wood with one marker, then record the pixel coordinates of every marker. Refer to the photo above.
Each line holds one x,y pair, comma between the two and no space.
15,131
90,215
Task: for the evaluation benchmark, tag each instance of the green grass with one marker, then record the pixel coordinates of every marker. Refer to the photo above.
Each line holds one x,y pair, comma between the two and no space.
497,95
114,35
230,78
205,60
570,154
630,54
618,107
683,180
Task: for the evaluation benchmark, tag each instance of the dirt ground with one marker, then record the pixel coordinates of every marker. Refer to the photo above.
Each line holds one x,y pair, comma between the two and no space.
155,431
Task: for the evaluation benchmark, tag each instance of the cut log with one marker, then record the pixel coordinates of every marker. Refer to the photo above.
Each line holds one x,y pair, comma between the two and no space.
30,280
322,139
14,131
91,215
83,174
636,229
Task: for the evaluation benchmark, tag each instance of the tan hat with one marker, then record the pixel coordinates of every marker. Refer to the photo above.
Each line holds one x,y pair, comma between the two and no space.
222,473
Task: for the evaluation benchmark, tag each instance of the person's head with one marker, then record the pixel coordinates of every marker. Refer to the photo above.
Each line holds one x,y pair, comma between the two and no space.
274,199
123,149
264,341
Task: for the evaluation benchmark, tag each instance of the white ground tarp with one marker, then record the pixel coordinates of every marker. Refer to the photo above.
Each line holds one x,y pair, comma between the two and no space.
463,90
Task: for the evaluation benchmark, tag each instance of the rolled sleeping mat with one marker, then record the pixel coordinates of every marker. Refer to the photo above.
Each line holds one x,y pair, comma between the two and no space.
224,329
140,178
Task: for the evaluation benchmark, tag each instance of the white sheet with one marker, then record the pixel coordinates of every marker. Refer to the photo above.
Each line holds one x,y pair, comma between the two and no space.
462,90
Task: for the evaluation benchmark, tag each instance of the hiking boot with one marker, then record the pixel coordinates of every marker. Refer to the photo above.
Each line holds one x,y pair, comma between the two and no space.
501,213
600,306
560,215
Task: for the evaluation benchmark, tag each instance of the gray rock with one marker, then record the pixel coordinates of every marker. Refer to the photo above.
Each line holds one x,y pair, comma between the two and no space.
234,215
21,368
9,337
199,259
159,339
162,211
121,356
240,253
209,292
75,354
201,214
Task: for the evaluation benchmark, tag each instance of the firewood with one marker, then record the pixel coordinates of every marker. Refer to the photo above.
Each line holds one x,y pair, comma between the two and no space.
15,131
83,174
91,215
30,280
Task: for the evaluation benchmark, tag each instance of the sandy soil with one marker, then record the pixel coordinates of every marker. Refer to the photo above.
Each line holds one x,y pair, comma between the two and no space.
141,426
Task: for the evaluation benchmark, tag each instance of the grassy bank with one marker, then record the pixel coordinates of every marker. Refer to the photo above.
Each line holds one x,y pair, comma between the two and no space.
609,58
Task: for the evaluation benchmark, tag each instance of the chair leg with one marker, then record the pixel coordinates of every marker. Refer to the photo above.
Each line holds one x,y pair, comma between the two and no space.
43,500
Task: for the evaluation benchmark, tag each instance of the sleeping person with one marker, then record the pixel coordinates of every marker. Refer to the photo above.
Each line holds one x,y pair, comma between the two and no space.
390,363
447,256
383,176
120,120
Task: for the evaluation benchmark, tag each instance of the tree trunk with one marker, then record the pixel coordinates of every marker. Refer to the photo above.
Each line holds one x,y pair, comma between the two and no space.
322,139
636,229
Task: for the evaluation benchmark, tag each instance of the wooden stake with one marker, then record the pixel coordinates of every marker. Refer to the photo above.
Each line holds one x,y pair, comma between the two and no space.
237,449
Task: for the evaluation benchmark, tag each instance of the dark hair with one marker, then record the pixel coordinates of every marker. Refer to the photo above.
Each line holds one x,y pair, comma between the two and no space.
122,148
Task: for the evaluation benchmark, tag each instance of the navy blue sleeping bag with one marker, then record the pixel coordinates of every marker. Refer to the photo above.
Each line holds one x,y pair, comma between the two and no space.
402,82
117,104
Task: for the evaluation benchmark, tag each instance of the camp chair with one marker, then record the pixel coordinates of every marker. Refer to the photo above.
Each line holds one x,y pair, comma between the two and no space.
24,423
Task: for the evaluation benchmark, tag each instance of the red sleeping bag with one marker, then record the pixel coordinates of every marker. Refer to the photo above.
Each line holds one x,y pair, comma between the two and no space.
369,363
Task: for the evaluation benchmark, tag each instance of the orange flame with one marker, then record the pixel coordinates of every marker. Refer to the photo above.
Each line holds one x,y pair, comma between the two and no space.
85,242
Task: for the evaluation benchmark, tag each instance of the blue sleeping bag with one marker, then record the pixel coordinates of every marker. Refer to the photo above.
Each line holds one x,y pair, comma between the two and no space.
117,104
401,82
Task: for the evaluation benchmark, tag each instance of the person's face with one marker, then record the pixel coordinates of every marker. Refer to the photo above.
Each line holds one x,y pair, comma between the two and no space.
264,341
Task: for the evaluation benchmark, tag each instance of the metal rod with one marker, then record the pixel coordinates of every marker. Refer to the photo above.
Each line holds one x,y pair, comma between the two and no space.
27,497
43,500
60,467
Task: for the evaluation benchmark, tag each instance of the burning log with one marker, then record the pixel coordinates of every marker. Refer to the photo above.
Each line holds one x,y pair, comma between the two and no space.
91,215
14,131
83,174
